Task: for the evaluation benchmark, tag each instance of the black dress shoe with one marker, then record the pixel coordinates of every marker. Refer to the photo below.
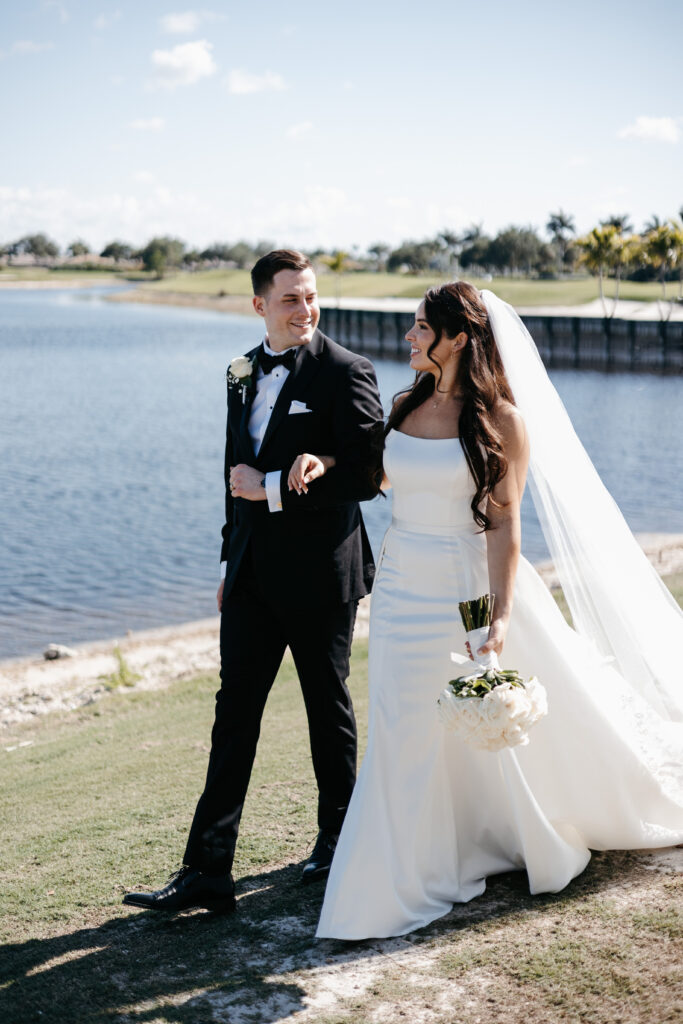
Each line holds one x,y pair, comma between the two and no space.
318,864
188,888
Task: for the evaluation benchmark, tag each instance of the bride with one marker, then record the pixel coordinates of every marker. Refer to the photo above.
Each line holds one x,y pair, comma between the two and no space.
431,818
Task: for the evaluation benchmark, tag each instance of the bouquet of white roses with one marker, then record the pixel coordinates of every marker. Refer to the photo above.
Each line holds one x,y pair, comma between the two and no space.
490,708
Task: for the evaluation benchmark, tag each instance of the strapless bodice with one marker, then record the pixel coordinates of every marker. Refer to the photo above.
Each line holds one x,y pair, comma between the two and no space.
431,483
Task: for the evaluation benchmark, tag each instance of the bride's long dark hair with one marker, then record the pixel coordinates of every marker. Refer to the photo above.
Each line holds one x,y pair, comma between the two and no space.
451,309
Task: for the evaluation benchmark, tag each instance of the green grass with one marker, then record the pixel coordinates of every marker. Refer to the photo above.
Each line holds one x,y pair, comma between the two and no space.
65,275
100,801
362,284
675,585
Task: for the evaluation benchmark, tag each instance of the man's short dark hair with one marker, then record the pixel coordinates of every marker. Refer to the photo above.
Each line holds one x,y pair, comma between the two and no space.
265,269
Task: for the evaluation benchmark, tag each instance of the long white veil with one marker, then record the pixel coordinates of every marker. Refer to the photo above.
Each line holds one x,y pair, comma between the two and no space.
617,600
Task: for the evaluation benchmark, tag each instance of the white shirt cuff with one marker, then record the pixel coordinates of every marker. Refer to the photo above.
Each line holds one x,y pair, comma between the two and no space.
273,481
224,569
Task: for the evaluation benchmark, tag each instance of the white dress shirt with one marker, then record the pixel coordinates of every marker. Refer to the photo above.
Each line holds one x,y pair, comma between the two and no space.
268,387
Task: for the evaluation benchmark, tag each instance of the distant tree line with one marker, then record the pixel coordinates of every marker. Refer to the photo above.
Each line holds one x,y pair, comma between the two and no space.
612,249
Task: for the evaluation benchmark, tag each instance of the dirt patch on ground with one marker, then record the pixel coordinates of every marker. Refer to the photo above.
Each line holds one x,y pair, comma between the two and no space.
606,950
155,659
219,303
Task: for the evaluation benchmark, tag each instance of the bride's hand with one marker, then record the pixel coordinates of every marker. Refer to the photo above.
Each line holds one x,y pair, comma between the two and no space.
497,632
306,468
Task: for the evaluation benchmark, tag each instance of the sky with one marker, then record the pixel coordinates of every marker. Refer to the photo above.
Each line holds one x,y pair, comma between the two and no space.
335,124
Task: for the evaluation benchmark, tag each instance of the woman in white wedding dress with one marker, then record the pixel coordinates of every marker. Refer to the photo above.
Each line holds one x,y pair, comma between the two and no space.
431,818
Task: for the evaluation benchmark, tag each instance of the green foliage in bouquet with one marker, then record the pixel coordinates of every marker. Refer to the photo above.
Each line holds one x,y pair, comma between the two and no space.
477,613
481,683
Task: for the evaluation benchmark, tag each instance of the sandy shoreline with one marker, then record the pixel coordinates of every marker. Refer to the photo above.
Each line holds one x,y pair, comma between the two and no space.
32,686
627,310
50,283
242,304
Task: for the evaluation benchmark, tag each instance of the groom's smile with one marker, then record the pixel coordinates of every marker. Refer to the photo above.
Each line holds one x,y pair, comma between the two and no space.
290,308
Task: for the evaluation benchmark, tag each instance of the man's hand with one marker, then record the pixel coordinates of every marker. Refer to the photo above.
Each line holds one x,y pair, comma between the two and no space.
219,596
247,482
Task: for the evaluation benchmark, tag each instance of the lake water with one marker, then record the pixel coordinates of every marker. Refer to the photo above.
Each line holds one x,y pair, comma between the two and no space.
112,420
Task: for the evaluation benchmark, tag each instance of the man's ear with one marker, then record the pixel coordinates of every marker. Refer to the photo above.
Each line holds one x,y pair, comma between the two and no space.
259,304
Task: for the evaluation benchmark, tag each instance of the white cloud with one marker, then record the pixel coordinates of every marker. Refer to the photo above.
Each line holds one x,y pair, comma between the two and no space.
184,23
148,124
106,20
652,129
65,214
242,82
184,64
399,202
295,131
316,213
58,7
144,177
29,46
181,23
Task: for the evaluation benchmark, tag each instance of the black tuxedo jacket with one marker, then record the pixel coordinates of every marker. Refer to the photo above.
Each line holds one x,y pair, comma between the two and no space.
315,549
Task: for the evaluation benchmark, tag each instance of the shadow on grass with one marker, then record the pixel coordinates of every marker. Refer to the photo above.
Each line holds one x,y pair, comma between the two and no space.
195,967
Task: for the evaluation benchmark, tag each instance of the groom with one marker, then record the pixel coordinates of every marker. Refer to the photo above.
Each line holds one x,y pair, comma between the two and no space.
293,564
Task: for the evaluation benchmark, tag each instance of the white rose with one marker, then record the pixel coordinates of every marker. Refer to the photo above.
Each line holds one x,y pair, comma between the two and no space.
494,711
240,367
513,699
490,743
538,699
515,736
471,721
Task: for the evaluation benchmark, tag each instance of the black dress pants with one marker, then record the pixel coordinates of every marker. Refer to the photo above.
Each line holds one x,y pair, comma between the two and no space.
256,629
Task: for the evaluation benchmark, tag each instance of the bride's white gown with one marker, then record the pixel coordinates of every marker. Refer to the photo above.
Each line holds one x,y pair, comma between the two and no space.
430,817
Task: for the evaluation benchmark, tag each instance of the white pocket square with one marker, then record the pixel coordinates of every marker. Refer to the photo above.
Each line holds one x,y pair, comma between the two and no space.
298,407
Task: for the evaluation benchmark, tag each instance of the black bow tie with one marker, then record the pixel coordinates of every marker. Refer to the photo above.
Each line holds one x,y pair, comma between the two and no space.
268,362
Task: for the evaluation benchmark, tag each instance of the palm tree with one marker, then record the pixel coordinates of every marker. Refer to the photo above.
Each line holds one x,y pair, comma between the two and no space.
379,252
473,233
451,243
663,250
628,253
620,221
561,227
338,262
653,224
600,253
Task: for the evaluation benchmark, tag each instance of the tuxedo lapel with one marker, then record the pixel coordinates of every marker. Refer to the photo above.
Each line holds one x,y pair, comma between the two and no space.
297,380
239,408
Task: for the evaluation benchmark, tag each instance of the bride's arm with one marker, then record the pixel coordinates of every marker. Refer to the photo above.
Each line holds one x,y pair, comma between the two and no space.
306,468
503,540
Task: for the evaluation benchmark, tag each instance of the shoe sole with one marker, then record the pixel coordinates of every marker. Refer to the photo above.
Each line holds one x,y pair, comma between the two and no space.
222,907
218,907
314,876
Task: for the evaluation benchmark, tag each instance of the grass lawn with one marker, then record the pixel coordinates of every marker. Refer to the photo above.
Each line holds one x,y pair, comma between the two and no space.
99,800
361,284
68,276
521,292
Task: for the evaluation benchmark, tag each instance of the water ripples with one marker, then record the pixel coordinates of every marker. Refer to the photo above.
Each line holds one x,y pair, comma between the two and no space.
112,424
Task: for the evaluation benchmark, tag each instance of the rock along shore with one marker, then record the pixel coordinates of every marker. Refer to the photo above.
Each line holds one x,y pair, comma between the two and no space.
33,686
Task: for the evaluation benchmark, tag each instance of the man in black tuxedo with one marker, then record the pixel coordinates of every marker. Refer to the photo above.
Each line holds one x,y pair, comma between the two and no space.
295,561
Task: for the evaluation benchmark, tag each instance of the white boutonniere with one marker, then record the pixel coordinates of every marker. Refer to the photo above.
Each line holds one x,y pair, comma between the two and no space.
241,374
